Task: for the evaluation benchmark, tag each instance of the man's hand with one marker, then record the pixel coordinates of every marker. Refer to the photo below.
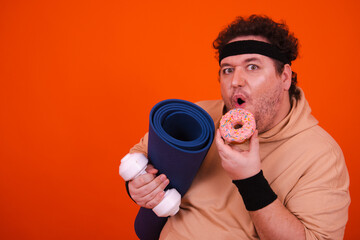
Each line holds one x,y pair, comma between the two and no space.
237,163
148,190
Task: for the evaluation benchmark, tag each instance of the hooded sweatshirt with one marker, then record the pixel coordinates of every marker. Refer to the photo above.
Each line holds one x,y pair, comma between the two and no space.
303,164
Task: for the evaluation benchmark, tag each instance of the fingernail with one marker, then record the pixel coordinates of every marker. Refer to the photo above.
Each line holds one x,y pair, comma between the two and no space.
162,177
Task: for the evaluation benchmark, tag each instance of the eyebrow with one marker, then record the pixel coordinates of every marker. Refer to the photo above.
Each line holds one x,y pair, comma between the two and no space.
225,65
252,59
247,60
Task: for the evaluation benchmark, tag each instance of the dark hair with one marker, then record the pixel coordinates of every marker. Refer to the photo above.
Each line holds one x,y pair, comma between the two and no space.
276,33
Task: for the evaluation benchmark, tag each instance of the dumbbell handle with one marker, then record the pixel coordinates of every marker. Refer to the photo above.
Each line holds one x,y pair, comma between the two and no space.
133,165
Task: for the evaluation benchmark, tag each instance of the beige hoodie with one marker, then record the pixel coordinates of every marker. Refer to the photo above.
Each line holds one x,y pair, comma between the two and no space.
303,165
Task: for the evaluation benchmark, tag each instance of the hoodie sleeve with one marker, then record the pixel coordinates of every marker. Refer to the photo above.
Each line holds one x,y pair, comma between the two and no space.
142,146
320,199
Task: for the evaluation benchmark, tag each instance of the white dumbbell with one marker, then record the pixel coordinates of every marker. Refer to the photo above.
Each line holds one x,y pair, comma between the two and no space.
134,165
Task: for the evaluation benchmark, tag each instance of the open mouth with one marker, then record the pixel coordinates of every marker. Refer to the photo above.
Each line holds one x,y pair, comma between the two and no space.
240,101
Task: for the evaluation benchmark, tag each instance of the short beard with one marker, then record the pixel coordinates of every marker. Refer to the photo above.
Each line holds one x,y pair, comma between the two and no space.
266,109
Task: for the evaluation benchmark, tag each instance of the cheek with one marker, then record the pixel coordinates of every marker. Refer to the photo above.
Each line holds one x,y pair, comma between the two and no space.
225,94
260,85
261,89
224,88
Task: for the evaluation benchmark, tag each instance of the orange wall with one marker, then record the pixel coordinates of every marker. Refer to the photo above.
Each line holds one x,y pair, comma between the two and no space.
78,79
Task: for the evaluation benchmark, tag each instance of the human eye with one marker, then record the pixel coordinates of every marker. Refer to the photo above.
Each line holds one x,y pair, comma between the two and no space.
227,70
252,67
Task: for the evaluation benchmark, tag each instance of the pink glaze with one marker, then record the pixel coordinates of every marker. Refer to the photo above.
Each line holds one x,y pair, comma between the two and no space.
233,118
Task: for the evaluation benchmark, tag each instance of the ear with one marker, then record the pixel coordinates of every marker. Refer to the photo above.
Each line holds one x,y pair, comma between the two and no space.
286,77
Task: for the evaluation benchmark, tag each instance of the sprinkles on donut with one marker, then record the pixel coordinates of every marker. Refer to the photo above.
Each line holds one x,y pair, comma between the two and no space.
237,125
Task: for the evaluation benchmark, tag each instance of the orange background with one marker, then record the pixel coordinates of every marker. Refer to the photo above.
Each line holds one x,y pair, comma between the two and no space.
78,79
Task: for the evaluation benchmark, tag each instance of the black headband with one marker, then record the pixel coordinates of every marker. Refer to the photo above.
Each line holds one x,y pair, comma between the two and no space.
252,46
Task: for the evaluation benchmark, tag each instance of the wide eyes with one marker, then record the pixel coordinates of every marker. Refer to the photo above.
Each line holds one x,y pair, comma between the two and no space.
252,67
229,70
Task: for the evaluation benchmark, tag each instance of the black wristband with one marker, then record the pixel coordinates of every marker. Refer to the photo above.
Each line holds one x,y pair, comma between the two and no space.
255,191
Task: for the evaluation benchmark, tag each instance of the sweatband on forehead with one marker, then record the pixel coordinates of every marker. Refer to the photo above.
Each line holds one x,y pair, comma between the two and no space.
252,46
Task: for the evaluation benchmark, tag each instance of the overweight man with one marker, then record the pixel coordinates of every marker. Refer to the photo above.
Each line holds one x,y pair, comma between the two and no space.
289,181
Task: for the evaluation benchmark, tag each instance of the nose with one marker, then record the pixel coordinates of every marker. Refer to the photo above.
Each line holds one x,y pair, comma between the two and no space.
238,78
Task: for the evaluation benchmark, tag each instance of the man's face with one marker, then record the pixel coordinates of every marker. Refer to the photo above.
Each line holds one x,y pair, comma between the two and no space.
250,81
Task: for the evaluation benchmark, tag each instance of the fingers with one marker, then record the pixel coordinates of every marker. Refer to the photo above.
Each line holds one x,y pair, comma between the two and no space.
239,161
146,190
151,169
226,151
154,187
148,182
156,200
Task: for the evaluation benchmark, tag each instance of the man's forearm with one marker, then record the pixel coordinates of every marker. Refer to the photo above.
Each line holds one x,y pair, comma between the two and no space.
276,222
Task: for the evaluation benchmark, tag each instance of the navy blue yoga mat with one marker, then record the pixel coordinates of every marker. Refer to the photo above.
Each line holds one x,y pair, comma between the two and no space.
180,135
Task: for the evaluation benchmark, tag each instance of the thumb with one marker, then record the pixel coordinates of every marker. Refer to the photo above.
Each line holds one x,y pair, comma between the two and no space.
151,169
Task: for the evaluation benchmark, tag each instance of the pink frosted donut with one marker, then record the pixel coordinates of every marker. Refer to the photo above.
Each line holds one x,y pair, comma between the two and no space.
237,125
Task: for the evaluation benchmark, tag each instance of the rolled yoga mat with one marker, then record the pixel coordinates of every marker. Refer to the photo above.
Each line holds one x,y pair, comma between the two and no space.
180,135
